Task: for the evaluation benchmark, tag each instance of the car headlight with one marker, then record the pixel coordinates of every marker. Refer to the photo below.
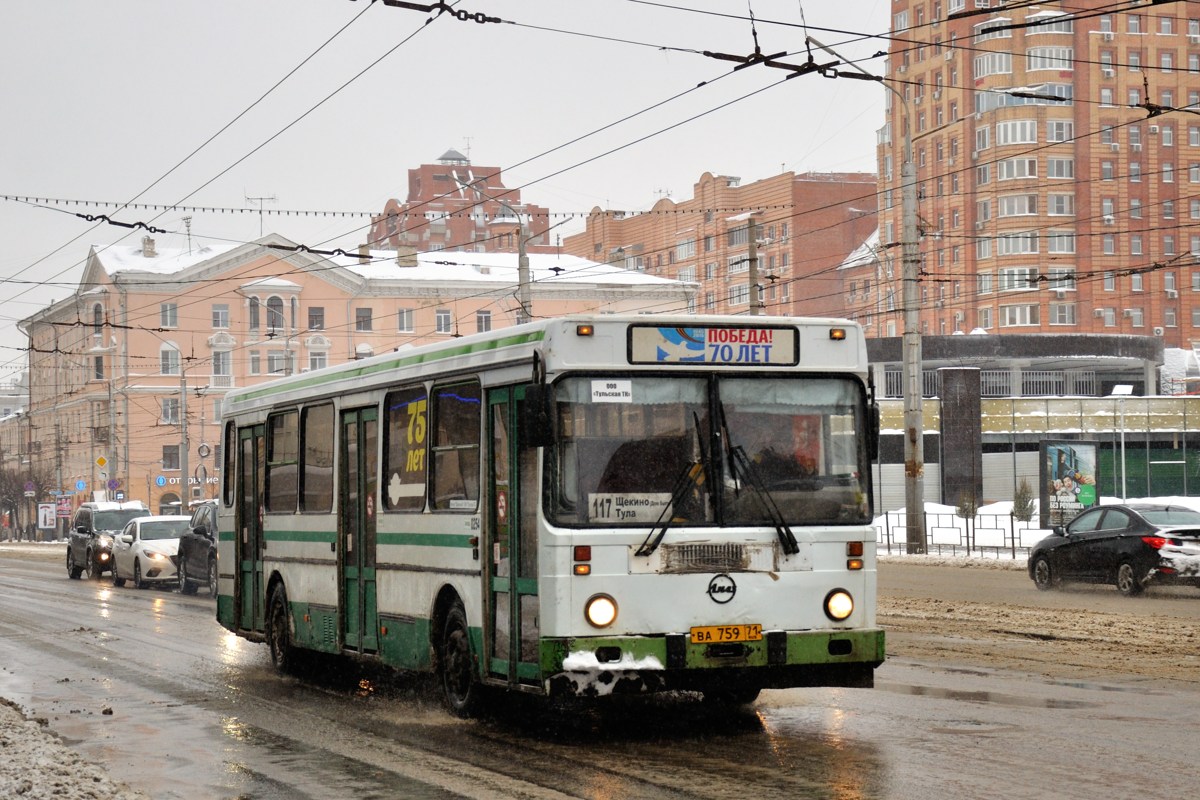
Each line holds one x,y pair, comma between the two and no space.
153,556
104,541
600,611
839,605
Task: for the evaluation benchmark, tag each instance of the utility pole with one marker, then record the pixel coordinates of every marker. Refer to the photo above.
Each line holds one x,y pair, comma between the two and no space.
914,424
185,477
524,291
755,293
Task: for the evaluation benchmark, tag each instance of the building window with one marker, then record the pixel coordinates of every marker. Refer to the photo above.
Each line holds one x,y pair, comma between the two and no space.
279,362
1060,242
1060,130
1056,58
362,319
1135,282
442,321
222,363
168,315
168,357
1061,205
1020,315
318,360
739,294
1018,279
170,457
170,411
254,321
97,322
220,315
1060,168
255,362
274,313
97,369
316,318
1062,313
983,283
483,321
404,320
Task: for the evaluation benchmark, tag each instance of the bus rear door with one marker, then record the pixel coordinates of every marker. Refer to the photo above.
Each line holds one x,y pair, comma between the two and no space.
248,588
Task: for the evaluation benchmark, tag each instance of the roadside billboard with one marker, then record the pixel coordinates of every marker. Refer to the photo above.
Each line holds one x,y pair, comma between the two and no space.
1068,480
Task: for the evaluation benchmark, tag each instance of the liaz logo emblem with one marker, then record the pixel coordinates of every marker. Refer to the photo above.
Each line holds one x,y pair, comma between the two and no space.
721,588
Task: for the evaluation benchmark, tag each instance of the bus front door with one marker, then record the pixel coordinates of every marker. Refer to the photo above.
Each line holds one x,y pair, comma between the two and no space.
510,560
356,530
248,588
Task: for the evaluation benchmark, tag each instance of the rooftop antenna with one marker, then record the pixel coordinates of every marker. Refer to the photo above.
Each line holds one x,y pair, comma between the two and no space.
260,201
468,139
187,223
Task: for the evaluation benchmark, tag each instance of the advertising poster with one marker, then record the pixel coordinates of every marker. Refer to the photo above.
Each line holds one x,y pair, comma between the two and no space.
1067,479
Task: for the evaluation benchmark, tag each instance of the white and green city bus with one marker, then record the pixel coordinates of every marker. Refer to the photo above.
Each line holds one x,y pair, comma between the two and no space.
577,506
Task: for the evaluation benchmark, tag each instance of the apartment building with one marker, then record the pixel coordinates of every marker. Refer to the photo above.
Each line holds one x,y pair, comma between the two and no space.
799,227
1058,171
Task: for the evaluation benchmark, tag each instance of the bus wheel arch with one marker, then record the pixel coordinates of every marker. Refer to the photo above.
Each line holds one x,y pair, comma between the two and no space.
456,661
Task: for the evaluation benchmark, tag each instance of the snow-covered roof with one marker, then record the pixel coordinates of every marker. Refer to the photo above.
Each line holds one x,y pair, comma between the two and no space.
445,266
866,253
164,261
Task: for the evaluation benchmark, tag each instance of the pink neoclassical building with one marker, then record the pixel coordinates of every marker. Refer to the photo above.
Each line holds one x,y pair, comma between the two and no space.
127,374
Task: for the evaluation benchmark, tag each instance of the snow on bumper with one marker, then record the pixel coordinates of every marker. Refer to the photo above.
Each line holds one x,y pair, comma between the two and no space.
600,666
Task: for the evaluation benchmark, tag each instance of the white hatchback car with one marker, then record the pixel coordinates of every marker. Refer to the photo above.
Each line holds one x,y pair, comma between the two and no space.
147,549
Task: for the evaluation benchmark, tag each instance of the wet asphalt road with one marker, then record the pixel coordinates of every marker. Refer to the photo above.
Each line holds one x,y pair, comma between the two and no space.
198,713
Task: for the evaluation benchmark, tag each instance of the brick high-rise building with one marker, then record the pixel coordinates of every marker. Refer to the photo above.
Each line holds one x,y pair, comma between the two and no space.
455,205
1057,181
806,225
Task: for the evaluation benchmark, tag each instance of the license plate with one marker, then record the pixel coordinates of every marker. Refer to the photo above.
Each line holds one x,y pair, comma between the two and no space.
716,634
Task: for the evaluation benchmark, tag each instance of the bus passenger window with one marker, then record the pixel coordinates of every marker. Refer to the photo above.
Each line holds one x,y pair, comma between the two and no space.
282,459
317,455
405,436
455,448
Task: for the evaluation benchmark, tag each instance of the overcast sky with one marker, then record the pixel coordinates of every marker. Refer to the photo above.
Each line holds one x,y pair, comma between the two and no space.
101,100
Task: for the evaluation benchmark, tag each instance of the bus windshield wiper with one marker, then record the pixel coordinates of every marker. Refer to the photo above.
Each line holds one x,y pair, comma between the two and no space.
694,473
755,482
739,463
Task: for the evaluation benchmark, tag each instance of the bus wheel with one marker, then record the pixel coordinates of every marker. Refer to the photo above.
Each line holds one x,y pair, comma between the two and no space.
459,681
279,632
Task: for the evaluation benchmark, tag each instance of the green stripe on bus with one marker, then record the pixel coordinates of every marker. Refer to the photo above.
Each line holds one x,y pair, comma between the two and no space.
299,536
404,361
427,539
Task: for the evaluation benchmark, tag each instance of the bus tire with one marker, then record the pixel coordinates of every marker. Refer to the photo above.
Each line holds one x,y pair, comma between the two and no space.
456,665
279,632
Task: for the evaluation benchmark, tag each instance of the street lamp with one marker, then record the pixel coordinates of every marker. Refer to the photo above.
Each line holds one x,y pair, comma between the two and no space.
1120,391
914,433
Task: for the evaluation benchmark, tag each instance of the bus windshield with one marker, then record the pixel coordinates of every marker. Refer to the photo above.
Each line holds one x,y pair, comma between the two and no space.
637,451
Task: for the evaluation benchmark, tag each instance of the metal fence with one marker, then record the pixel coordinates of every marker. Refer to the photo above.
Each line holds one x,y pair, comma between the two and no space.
946,533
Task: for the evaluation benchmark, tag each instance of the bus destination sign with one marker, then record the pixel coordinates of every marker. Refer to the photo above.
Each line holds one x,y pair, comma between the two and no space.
751,346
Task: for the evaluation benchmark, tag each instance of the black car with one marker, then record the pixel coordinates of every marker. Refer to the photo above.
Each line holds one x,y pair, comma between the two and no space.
1131,546
89,544
198,550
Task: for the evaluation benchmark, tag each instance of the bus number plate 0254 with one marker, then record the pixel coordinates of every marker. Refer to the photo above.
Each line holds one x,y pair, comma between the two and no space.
717,634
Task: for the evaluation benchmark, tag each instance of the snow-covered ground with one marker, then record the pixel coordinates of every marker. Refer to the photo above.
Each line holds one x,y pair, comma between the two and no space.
992,534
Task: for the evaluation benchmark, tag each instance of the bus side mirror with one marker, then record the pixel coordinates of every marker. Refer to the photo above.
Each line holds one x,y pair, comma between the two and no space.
537,427
873,432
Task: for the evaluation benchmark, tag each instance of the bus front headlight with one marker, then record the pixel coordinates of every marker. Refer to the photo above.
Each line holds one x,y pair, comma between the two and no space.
600,611
839,605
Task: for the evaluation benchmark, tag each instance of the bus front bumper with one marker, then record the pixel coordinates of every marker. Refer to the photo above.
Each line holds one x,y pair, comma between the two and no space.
596,666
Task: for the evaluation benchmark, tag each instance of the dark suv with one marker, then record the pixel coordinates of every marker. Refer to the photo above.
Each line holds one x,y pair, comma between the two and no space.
198,550
89,545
